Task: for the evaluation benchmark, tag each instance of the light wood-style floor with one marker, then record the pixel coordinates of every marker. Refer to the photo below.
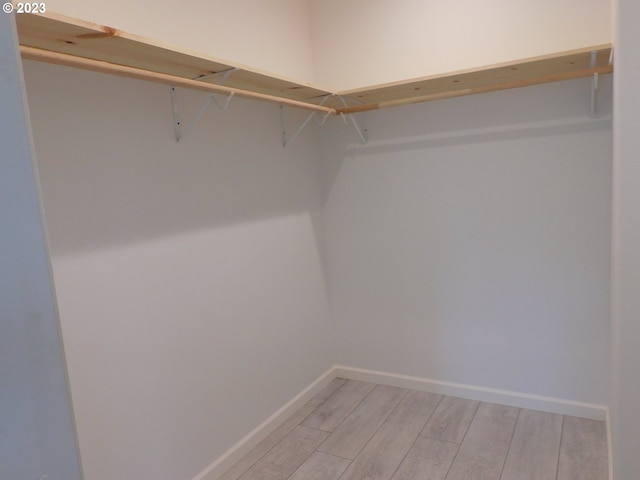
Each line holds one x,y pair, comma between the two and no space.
356,430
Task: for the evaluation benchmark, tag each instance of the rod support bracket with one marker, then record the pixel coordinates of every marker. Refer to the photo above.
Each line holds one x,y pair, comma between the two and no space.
178,125
362,131
595,87
283,130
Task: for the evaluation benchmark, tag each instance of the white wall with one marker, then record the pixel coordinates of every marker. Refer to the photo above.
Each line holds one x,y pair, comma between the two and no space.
626,244
191,291
345,44
37,436
469,241
367,42
271,35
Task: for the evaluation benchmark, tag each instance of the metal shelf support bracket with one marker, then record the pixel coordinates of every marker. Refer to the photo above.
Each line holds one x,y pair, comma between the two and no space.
363,133
178,124
312,115
593,105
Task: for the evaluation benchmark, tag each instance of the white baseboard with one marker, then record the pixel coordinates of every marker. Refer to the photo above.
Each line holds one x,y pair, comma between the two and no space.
492,395
610,444
240,449
471,392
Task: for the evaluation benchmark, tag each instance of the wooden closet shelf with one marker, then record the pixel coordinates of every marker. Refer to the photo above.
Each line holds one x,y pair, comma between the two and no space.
107,48
521,73
58,39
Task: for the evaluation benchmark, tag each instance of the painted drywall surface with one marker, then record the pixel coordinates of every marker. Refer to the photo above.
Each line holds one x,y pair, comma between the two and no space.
271,35
38,436
367,42
626,239
469,241
189,279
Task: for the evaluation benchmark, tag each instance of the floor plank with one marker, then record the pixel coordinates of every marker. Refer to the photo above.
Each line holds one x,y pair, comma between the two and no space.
583,450
428,459
326,392
337,407
485,446
352,434
267,444
385,451
321,466
285,458
386,433
451,419
534,448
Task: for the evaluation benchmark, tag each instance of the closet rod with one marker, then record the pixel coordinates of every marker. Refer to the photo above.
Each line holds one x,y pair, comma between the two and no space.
40,55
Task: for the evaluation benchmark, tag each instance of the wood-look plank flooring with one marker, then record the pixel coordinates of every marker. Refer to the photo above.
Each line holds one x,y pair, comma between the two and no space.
355,430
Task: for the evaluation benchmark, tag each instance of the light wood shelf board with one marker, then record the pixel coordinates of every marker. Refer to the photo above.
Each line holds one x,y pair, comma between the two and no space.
58,39
269,85
532,71
57,33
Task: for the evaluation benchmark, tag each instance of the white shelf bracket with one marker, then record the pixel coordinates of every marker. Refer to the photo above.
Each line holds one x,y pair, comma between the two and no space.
178,124
312,115
593,106
363,133
611,55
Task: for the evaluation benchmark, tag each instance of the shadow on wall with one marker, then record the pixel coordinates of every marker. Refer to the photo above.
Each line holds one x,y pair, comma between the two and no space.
112,172
552,109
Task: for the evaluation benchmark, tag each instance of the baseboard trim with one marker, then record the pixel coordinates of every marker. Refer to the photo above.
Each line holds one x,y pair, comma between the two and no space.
610,443
472,392
240,449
